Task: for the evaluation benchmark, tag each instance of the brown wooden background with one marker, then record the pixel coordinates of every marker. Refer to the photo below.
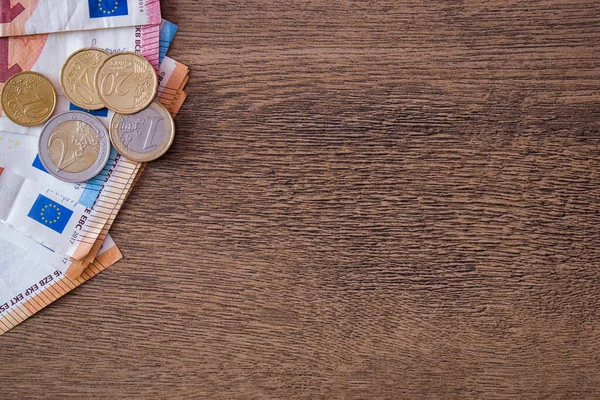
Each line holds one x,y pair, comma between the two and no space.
365,199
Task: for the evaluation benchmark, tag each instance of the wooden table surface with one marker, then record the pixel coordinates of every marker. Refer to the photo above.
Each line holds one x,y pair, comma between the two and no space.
365,199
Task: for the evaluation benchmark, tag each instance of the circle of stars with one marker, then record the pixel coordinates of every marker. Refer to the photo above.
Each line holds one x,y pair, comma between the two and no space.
108,11
49,221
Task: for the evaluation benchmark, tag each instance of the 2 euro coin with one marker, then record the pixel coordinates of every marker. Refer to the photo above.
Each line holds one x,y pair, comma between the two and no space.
74,146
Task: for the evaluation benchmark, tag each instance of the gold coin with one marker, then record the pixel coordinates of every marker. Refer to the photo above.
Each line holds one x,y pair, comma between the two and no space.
145,135
28,98
77,77
126,82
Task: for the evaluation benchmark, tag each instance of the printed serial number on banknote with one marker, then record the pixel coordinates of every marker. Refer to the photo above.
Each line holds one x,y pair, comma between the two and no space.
32,276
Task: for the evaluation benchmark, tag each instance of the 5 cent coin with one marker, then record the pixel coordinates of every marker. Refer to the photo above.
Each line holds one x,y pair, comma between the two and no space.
74,146
28,98
77,77
145,135
126,82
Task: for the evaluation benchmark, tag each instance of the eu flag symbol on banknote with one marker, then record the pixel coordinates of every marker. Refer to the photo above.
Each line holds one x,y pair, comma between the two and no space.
49,213
107,8
103,112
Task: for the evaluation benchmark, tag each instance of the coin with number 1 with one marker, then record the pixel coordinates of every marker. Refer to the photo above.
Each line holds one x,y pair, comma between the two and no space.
145,135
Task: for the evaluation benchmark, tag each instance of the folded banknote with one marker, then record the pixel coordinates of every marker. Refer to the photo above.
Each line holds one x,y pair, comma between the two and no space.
99,199
28,17
174,76
36,265
52,219
32,276
45,54
167,33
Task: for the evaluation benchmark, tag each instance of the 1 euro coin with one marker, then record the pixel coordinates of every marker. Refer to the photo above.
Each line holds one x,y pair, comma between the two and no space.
145,135
74,146
126,82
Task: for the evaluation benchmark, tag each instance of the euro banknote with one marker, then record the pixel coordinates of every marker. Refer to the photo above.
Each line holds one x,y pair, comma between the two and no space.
56,220
46,54
19,153
91,207
32,276
174,75
167,33
29,17
50,218
25,293
78,266
35,53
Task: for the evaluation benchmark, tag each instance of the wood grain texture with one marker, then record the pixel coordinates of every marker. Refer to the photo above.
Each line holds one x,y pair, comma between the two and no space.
365,199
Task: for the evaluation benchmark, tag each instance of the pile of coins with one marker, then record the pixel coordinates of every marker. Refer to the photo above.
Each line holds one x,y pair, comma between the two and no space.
74,146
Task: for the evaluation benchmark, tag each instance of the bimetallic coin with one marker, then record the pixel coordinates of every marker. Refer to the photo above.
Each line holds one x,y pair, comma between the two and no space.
145,135
77,77
28,98
74,146
126,82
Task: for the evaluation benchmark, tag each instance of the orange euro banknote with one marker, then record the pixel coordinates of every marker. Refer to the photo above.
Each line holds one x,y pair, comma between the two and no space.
32,277
174,76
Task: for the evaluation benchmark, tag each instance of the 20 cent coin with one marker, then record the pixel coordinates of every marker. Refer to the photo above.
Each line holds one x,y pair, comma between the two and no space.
145,135
28,98
77,77
74,146
126,82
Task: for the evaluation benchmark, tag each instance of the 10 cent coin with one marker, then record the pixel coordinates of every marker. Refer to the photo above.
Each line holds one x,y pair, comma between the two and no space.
126,82
145,135
77,77
28,98
74,146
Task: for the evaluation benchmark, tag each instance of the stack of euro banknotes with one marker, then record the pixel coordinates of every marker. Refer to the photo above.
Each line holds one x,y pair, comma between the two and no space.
41,260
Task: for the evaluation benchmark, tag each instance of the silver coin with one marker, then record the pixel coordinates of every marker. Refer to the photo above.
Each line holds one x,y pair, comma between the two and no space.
145,135
74,146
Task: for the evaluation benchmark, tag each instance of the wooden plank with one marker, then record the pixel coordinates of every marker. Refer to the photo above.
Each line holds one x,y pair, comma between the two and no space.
382,199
